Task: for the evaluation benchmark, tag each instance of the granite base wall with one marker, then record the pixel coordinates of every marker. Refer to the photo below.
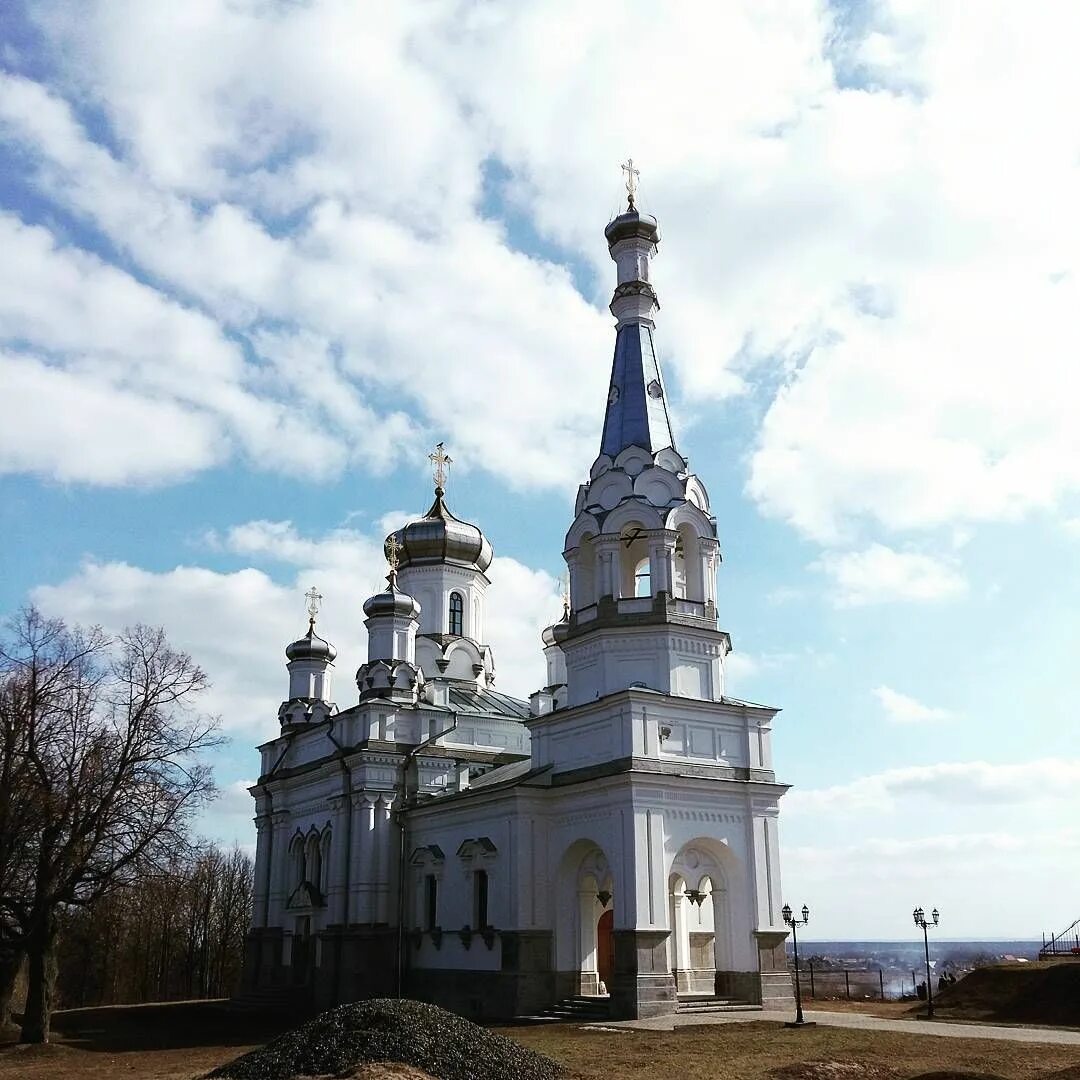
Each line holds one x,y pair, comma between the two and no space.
642,984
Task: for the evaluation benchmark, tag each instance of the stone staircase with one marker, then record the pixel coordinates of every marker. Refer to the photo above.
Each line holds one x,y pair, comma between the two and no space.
694,1004
580,1009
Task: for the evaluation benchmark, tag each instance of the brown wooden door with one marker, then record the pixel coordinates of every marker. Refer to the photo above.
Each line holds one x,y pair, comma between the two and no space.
605,948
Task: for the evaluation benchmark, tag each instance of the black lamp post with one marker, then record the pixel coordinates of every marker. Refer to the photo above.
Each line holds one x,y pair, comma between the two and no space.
920,920
793,922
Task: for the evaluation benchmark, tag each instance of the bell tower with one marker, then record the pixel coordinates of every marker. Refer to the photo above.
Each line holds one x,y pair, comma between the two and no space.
642,551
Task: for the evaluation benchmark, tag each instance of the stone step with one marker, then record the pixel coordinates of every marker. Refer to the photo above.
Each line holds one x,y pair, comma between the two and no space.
698,1004
579,1009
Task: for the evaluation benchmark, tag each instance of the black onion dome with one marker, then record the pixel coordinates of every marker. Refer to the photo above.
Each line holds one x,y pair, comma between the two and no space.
311,647
439,537
632,224
391,602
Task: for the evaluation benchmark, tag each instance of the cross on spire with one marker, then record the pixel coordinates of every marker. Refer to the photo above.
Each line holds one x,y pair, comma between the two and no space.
632,175
392,549
440,467
314,599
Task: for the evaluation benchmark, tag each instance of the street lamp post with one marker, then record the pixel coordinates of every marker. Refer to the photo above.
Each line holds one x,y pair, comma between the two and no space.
920,920
793,922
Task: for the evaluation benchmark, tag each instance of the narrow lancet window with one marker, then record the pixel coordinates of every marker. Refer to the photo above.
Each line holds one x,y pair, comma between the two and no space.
431,901
457,614
480,899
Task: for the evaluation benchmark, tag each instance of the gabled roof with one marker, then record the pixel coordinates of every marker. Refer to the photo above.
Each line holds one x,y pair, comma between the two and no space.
472,700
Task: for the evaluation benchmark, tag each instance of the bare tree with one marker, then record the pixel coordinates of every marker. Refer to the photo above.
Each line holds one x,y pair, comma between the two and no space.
104,752
174,934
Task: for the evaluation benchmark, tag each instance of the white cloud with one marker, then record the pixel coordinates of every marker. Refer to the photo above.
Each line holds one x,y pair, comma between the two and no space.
902,709
465,336
237,624
981,880
881,217
964,782
879,574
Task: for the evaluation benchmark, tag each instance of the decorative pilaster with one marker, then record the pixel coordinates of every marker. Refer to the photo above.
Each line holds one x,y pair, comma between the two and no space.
339,860
279,869
385,835
263,844
609,578
364,855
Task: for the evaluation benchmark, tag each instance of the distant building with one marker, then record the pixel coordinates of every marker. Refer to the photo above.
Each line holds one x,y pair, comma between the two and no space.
614,836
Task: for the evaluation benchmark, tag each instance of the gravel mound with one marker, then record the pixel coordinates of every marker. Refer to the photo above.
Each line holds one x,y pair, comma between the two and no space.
440,1043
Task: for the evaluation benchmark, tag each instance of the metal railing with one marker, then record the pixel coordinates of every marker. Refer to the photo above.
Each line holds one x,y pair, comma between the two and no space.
860,983
1067,943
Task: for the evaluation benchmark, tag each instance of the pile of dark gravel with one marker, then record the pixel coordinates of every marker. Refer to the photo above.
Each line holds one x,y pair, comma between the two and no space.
441,1043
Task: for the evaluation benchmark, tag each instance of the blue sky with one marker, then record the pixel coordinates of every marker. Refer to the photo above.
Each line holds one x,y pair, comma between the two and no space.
257,258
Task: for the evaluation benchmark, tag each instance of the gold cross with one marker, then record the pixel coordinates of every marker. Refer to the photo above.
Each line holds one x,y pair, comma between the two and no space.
632,175
314,597
440,463
392,549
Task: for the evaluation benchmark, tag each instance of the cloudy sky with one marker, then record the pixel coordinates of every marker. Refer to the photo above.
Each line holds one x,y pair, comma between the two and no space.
258,256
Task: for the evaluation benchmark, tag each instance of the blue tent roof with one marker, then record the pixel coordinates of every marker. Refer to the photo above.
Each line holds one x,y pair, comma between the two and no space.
637,403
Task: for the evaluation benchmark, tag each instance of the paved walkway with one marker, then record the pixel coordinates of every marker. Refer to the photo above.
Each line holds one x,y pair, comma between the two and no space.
944,1029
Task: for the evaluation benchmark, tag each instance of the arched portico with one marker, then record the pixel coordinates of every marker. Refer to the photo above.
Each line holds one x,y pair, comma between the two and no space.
587,904
699,908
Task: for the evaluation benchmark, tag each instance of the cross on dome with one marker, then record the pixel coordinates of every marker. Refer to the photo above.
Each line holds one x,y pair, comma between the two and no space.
632,175
392,549
314,599
440,467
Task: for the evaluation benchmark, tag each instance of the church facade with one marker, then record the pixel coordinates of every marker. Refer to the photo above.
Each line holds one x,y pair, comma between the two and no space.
615,836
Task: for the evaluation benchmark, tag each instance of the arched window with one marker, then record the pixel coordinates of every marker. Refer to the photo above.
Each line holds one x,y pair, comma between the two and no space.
642,579
299,860
457,613
324,880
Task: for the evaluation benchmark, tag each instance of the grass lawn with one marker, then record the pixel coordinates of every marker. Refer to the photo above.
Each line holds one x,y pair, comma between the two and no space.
184,1040
752,1051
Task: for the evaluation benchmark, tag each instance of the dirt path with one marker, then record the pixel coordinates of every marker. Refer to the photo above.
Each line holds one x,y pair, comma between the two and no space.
864,1022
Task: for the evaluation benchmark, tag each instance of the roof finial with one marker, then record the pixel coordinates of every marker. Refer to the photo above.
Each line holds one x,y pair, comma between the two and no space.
632,175
392,549
440,463
314,599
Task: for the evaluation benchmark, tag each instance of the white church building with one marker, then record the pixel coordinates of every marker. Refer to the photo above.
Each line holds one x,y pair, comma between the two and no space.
614,837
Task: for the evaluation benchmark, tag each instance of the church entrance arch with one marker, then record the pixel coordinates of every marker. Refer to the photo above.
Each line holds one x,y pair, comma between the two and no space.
584,941
700,941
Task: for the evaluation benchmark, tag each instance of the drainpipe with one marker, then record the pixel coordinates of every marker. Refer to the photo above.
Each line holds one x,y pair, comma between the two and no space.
403,846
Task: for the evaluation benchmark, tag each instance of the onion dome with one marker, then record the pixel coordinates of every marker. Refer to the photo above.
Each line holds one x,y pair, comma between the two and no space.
391,602
311,647
632,225
439,537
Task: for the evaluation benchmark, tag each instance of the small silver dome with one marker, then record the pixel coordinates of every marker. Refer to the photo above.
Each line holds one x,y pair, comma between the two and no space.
439,537
391,602
311,647
632,224
555,634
